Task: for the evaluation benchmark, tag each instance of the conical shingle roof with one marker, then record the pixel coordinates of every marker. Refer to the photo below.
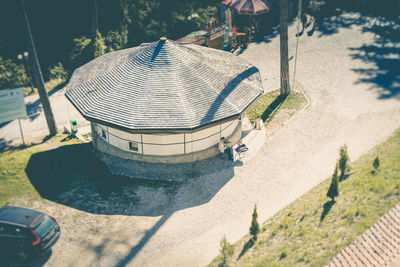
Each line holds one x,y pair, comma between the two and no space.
164,85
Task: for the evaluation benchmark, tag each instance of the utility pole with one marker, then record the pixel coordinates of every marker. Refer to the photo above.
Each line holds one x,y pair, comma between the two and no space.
37,74
95,19
285,85
297,40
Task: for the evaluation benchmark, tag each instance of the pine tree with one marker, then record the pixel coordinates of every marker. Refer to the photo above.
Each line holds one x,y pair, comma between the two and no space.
343,161
254,227
226,250
333,190
376,163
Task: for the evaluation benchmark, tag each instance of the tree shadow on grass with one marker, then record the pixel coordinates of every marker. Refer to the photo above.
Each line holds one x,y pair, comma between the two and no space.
327,207
271,110
250,243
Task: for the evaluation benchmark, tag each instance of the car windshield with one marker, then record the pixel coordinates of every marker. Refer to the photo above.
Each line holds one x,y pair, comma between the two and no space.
45,226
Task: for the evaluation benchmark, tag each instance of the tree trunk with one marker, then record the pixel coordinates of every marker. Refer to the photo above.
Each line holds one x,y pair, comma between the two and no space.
37,74
285,85
95,19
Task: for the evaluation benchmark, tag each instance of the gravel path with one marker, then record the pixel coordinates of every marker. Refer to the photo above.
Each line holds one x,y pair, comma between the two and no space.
184,227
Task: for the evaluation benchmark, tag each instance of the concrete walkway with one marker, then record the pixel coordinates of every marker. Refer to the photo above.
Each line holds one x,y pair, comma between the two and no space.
378,246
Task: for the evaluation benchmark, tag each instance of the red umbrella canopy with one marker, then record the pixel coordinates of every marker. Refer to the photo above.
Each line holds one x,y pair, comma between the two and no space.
250,7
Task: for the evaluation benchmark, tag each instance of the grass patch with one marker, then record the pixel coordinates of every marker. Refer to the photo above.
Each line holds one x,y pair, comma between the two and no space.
14,181
66,171
312,230
268,105
54,84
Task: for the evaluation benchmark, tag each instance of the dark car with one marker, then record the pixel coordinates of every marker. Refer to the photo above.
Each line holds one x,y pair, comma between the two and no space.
26,233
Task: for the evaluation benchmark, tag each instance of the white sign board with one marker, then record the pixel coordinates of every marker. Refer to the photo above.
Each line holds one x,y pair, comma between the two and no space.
12,105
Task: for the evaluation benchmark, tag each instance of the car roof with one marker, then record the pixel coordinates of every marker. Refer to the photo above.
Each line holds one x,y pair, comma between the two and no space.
18,215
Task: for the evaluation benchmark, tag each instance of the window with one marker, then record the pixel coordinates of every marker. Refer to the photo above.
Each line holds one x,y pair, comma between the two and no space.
8,230
103,134
20,232
134,146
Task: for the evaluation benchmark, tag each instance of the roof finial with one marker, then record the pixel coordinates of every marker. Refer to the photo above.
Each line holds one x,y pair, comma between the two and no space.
163,40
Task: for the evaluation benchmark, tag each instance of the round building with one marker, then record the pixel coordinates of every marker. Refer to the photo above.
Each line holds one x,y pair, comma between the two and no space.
164,102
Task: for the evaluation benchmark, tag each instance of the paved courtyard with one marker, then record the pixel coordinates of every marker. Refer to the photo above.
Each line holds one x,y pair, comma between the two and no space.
183,227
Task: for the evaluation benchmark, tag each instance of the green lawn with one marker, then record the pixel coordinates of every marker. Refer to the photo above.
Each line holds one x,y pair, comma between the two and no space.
66,171
268,104
311,231
14,181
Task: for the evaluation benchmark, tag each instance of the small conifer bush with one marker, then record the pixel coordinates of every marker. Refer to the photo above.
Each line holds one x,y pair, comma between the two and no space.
254,227
226,250
343,162
333,190
376,163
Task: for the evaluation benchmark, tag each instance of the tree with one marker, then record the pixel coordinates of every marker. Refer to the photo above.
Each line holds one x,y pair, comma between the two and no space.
12,75
254,227
333,190
115,40
343,161
285,85
99,47
37,74
226,250
87,49
376,163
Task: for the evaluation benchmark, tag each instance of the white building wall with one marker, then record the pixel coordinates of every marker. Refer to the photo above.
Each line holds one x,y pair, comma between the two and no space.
163,150
163,138
124,135
228,127
189,143
168,144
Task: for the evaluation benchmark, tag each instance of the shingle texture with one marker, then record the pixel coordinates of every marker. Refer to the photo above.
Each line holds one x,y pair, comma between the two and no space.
164,86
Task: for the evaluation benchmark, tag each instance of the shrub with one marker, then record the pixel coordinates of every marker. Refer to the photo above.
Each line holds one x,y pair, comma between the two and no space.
254,227
115,40
57,71
333,190
99,48
343,162
12,75
81,53
283,255
376,163
226,250
86,49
